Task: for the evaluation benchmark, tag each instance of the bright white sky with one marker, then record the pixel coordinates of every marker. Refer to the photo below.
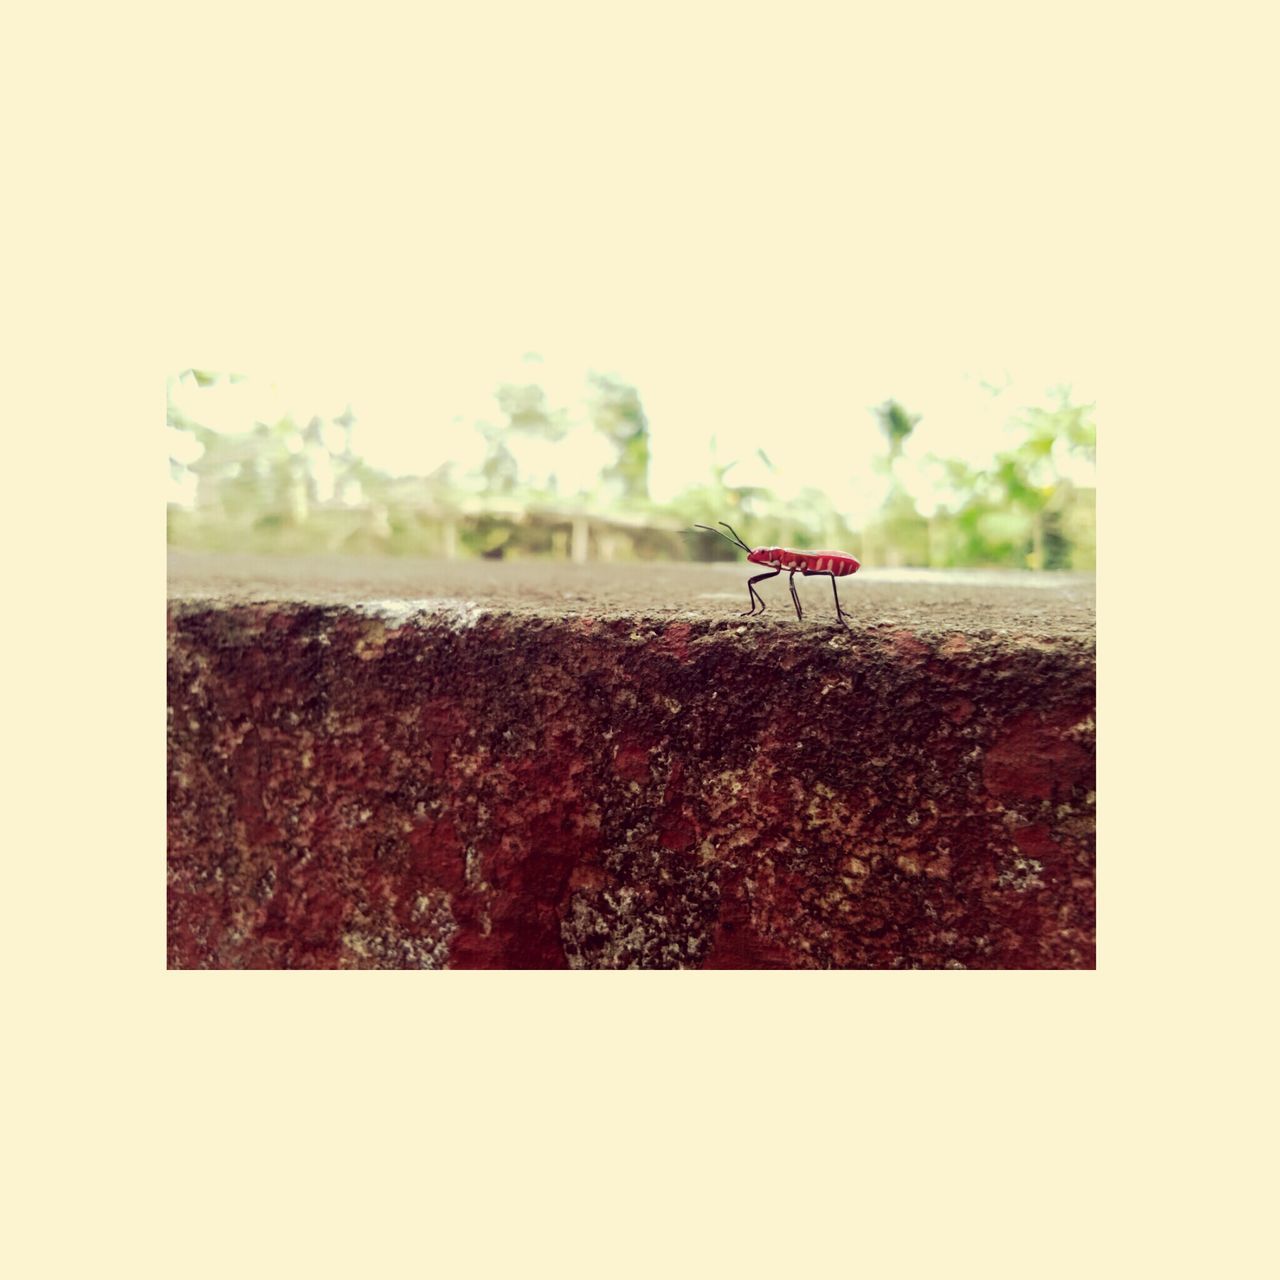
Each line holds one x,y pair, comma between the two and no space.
767,222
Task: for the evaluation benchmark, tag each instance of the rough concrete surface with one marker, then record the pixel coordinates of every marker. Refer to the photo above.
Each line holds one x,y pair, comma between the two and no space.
408,764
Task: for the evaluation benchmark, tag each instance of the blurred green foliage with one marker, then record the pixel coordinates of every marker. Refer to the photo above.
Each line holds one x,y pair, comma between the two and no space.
897,425
617,414
1022,511
289,487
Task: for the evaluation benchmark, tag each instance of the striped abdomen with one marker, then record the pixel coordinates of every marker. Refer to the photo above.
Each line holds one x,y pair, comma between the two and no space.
837,563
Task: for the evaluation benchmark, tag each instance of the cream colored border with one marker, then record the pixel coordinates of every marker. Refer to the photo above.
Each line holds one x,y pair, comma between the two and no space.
652,1124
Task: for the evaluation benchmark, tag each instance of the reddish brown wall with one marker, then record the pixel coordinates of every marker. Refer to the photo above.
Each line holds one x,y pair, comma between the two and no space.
476,789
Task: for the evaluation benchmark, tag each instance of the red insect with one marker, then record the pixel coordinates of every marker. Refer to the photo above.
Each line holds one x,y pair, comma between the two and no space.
830,564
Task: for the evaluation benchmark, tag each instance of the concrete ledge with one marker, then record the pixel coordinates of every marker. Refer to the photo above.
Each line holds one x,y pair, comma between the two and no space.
413,765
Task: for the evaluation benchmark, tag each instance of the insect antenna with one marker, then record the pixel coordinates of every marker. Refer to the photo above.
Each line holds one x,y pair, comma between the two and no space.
737,541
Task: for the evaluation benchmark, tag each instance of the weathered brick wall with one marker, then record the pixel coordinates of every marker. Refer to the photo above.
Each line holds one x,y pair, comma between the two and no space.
357,785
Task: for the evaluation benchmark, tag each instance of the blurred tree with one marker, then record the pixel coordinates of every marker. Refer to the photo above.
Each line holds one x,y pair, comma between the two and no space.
352,476
268,479
528,412
263,474
529,418
1067,427
897,425
616,412
719,499
499,469
898,534
1030,478
1022,511
967,527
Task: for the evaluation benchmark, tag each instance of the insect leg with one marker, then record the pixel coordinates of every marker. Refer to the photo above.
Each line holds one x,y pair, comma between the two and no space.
795,599
840,615
751,587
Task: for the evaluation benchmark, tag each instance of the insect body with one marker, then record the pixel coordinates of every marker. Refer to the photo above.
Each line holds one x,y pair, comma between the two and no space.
832,564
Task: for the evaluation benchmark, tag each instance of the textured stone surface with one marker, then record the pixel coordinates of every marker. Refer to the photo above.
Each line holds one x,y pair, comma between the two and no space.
370,768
